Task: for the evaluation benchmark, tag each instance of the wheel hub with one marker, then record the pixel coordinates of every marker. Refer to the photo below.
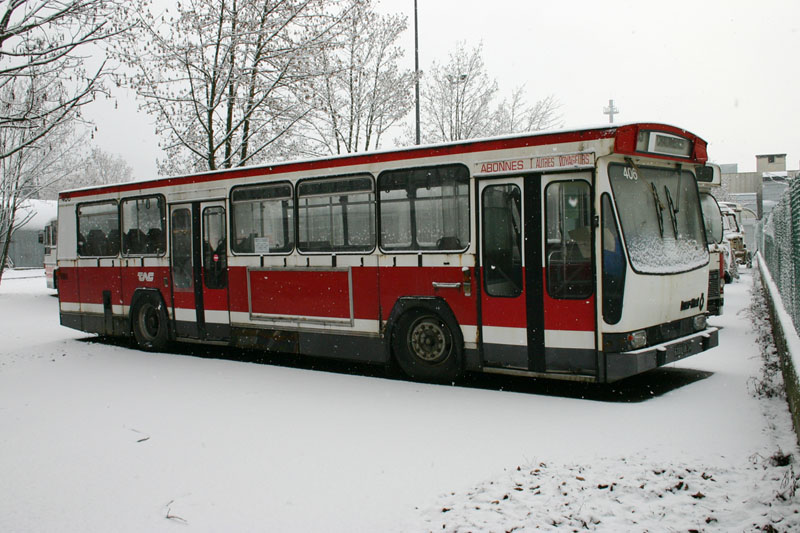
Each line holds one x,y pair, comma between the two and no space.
149,322
428,341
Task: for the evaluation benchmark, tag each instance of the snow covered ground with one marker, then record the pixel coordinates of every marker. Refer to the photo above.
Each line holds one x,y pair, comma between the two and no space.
100,437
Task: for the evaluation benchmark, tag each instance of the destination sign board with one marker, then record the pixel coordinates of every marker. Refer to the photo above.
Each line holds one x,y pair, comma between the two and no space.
540,163
657,142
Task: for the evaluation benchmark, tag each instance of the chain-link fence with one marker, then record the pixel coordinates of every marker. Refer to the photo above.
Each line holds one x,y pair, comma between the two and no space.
778,240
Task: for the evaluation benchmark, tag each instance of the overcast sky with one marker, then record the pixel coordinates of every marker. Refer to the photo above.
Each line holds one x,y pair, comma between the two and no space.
725,70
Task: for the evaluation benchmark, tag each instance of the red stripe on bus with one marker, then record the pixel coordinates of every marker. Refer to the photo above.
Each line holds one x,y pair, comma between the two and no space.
326,293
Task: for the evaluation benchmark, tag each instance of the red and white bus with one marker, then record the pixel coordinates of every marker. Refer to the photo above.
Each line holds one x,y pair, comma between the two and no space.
575,254
49,239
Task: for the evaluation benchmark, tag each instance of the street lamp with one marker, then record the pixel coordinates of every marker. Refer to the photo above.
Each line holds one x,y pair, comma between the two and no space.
416,64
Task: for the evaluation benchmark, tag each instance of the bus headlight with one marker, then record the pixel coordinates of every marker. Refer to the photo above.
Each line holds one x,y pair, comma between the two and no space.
637,339
699,322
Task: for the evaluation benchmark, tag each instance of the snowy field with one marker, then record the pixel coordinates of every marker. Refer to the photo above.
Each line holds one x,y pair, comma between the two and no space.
96,436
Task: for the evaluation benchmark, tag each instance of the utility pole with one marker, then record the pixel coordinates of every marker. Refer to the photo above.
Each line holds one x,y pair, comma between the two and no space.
416,64
610,110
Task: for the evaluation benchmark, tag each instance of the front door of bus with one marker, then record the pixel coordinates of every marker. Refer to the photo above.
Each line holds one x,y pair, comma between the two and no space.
199,270
537,298
512,334
569,288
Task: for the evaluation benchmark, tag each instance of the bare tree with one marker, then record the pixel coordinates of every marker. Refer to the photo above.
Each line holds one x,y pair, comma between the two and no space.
222,77
26,172
363,92
43,49
44,83
101,168
516,116
97,167
459,102
457,97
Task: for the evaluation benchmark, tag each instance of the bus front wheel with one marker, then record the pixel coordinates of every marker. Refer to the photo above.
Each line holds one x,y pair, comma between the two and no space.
150,324
425,347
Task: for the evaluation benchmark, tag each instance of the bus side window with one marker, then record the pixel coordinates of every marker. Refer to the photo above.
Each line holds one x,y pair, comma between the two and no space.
182,249
262,220
143,222
336,214
96,222
568,250
424,209
502,242
215,251
613,265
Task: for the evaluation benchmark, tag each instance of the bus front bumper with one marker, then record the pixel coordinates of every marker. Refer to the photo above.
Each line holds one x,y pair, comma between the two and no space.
624,364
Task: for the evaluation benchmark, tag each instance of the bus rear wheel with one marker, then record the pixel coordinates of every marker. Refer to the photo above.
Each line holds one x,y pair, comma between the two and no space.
150,324
425,347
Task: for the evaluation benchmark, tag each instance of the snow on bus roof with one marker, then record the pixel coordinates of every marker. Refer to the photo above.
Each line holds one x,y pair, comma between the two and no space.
373,156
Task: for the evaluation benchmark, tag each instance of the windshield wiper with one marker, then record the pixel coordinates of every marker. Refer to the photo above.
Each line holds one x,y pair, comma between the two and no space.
659,208
673,212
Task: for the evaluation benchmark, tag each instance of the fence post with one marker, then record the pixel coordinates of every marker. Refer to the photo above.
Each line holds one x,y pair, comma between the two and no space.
794,199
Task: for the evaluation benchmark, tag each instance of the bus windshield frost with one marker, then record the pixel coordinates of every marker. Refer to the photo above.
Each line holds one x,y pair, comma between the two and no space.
661,224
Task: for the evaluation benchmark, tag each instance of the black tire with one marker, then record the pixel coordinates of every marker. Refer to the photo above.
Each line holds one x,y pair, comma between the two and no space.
426,348
149,323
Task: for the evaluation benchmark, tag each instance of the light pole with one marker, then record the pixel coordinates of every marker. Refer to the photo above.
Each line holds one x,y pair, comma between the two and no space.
416,64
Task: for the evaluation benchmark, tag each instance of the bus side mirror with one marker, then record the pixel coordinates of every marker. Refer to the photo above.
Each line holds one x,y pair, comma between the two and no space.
705,174
709,173
41,237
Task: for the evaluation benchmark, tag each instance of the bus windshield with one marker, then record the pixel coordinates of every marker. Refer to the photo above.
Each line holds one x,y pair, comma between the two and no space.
712,217
660,216
731,226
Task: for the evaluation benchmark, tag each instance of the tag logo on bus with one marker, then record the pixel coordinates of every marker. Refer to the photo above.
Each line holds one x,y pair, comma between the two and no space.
146,276
694,303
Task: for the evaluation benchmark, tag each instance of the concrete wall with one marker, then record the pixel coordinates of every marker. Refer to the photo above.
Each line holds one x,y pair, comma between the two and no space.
745,182
786,341
778,163
25,250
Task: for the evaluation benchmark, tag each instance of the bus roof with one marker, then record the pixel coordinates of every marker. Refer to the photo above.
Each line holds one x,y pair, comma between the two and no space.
625,135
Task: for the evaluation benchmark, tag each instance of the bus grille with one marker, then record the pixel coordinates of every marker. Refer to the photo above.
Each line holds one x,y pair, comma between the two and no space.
713,284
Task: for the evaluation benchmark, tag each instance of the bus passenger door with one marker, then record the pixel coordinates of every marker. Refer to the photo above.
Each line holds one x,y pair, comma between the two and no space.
569,274
216,313
187,297
510,304
199,270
